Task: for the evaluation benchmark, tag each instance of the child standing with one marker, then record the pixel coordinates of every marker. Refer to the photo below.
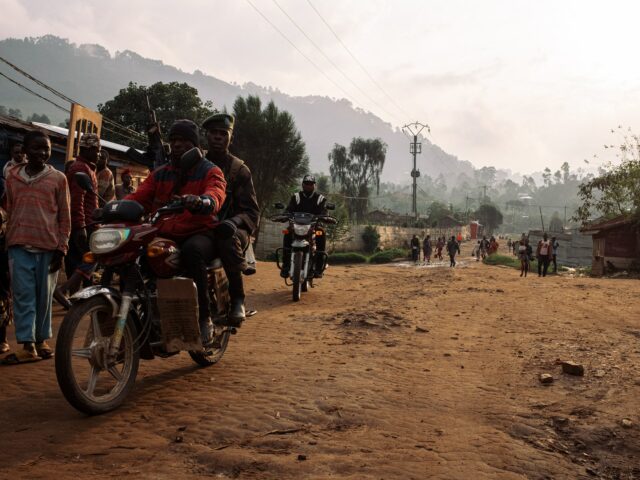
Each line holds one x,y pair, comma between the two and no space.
38,227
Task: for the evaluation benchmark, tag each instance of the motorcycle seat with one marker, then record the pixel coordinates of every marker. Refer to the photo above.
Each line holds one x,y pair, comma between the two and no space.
215,263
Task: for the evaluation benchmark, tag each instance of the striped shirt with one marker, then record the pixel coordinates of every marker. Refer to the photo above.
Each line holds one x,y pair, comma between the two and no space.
38,210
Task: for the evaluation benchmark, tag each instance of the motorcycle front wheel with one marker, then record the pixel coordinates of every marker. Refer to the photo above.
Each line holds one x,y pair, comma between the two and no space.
90,381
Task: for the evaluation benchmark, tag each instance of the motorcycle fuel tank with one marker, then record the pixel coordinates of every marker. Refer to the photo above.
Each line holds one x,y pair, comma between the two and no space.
164,257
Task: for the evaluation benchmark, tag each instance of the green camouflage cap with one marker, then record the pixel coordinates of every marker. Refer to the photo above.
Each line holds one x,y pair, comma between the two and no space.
219,121
89,140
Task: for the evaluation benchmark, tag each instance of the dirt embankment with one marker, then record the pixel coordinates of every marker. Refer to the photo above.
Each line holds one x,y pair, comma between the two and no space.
381,372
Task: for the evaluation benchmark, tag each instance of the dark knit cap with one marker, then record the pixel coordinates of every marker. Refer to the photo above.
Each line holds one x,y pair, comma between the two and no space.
219,121
186,129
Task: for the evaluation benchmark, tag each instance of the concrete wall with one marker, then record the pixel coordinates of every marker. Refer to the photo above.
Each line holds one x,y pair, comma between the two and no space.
576,249
270,237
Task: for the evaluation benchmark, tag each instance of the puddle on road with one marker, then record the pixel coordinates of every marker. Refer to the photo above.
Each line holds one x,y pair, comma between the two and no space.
442,264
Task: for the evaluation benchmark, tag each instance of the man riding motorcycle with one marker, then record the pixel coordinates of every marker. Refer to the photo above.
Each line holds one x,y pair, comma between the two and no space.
201,186
306,201
240,213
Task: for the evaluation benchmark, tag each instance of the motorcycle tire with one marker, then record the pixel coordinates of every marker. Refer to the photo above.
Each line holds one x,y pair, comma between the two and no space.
206,358
297,274
70,359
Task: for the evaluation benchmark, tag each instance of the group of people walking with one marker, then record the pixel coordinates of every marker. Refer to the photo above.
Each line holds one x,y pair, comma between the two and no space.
431,248
546,254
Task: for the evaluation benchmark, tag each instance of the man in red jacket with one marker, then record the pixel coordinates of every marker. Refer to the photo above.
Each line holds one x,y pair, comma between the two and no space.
201,185
83,203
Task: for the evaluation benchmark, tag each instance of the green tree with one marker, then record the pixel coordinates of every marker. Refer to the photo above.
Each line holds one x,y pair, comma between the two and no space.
38,118
356,170
555,225
546,176
371,238
489,216
615,191
436,212
566,172
171,101
15,112
268,140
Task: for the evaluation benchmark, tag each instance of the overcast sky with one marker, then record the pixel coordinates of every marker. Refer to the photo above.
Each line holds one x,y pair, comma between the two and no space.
514,84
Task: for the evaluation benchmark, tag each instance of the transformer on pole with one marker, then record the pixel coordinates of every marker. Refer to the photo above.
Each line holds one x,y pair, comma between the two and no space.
412,130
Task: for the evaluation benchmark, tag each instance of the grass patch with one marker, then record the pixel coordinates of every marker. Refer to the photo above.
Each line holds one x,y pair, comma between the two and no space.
506,261
347,257
388,256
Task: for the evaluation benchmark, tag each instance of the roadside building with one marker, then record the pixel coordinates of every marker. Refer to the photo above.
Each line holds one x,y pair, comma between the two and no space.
616,244
13,129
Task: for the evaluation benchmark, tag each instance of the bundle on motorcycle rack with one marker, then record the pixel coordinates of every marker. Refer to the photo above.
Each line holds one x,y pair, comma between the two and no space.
178,308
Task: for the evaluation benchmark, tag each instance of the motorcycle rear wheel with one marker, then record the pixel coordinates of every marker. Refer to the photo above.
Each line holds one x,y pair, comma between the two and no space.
297,274
206,358
81,344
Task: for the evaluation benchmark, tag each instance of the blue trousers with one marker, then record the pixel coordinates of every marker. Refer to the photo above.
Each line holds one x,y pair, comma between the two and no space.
32,288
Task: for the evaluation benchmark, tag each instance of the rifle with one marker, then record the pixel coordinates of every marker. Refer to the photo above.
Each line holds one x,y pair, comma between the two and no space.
156,151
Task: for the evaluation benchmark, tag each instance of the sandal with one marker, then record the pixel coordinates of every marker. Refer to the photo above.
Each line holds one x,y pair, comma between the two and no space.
21,356
44,350
4,347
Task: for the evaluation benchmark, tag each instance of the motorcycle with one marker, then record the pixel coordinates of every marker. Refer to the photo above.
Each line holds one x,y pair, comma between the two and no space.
153,313
304,227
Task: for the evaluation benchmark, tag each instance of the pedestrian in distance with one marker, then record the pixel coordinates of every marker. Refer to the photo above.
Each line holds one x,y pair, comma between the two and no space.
524,254
415,249
554,248
38,228
427,249
544,253
453,247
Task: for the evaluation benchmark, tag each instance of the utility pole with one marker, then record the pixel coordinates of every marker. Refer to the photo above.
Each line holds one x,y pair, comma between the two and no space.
412,130
541,219
565,217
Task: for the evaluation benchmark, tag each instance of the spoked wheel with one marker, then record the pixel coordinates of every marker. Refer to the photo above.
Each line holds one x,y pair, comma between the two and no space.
212,355
89,380
297,274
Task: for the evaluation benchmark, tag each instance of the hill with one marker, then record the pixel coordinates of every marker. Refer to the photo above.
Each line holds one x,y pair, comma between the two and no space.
91,75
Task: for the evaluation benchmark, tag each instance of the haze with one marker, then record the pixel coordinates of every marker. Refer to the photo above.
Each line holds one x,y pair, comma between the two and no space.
517,85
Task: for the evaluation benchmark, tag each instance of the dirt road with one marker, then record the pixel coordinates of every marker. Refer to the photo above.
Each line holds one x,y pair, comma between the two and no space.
383,372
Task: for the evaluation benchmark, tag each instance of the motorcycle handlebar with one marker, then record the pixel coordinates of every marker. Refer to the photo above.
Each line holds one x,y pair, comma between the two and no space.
282,218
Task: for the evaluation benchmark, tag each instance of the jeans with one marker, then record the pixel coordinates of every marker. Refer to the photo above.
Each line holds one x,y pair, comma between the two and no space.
543,265
32,289
195,253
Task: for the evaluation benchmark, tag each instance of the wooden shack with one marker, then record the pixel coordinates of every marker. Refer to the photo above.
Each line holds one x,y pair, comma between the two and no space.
616,244
13,130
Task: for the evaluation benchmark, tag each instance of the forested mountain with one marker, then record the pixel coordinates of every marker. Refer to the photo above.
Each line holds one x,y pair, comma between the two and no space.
91,75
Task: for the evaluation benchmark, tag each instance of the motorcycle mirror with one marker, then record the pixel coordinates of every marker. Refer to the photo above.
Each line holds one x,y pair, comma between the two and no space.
278,205
331,206
84,181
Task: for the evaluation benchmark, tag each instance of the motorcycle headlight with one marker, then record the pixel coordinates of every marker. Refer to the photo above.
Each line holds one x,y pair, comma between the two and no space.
301,229
107,240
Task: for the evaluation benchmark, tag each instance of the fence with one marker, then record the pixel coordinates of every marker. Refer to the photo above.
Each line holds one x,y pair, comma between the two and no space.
270,237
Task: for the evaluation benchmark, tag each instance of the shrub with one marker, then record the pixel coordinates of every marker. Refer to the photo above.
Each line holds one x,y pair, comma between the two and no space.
371,238
388,256
348,257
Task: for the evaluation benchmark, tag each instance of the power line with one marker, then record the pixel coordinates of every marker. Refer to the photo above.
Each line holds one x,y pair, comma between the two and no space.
301,30
357,61
337,85
61,95
27,89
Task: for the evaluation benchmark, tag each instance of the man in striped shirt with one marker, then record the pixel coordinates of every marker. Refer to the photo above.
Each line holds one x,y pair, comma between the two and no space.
38,227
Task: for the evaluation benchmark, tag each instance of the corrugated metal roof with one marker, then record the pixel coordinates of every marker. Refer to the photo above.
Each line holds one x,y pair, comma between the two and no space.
65,131
616,222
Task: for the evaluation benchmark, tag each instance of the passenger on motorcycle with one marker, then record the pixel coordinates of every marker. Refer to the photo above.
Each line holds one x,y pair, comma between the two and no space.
307,201
239,213
201,185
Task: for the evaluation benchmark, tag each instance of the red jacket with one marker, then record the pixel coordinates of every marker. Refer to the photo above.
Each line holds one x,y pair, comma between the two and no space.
203,179
83,203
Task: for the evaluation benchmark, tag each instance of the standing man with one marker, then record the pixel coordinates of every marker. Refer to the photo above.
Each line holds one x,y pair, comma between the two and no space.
544,252
453,247
106,185
426,249
240,212
308,201
126,187
83,203
37,200
554,248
